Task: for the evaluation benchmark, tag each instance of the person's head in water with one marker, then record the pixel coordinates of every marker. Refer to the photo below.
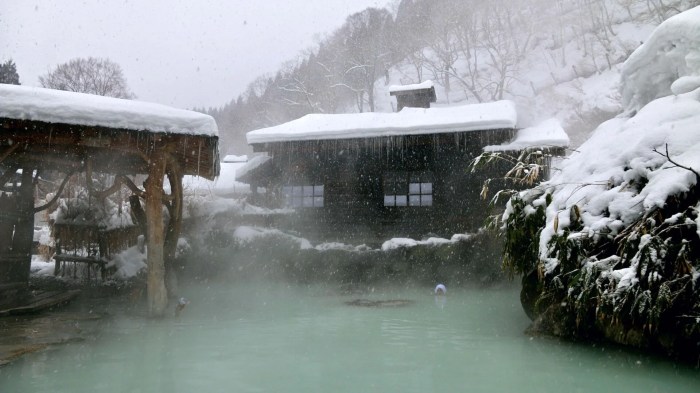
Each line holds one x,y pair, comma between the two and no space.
441,290
181,304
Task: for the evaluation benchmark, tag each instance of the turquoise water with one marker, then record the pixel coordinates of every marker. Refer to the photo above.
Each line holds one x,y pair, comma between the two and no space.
278,338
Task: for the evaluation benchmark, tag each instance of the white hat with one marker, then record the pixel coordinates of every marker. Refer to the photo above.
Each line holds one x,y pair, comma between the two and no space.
440,288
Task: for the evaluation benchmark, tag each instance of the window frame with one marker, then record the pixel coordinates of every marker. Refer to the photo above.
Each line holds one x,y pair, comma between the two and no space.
303,195
408,189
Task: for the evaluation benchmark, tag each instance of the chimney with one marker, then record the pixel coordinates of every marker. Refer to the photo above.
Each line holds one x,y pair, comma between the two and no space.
415,96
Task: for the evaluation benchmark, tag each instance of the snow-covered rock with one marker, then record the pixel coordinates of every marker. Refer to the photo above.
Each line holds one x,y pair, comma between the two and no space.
599,177
667,63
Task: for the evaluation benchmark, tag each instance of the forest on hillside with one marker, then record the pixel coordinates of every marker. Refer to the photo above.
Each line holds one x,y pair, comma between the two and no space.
473,50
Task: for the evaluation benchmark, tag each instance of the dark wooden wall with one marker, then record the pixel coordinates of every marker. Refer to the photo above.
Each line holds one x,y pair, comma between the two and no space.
416,100
352,172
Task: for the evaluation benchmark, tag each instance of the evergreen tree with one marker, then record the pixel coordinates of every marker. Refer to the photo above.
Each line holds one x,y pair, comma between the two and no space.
8,73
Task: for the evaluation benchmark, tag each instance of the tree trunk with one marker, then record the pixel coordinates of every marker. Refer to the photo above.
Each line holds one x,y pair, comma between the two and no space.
157,293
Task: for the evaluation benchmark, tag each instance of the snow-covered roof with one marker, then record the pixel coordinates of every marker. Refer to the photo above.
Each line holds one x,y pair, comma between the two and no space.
234,158
55,106
252,164
417,86
224,184
409,121
549,133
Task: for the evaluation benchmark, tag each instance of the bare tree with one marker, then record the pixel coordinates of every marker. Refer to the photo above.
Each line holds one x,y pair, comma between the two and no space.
91,75
480,47
366,54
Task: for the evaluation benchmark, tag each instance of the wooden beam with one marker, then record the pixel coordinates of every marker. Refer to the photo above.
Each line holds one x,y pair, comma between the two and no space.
157,293
131,186
55,197
197,154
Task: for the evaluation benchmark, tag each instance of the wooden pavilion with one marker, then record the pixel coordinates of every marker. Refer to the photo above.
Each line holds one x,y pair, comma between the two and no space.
73,133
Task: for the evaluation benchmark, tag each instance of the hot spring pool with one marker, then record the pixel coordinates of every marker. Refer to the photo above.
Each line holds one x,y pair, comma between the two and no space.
257,337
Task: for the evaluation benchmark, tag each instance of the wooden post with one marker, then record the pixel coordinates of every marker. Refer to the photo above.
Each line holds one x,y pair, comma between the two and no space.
157,294
172,234
24,229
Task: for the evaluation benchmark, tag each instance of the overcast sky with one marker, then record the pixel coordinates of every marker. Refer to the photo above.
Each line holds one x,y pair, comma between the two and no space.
183,53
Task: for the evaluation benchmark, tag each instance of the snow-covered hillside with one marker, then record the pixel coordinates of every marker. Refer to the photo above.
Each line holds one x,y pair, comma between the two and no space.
571,73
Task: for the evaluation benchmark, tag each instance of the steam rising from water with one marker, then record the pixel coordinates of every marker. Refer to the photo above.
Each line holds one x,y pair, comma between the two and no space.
274,336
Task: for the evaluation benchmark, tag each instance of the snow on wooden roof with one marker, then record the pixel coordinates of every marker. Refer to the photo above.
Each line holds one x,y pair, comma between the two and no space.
418,86
235,158
549,133
250,166
409,121
55,106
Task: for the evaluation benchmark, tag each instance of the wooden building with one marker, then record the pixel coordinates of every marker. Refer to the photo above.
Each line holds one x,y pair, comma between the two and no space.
73,133
419,95
367,177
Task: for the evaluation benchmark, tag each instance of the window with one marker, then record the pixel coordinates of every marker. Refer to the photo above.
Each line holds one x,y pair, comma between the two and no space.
303,196
408,189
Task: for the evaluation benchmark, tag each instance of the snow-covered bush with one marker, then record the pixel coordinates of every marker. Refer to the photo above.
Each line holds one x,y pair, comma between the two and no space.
85,210
610,245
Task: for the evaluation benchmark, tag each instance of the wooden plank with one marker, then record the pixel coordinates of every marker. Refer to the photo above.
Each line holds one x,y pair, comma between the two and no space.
41,301
77,258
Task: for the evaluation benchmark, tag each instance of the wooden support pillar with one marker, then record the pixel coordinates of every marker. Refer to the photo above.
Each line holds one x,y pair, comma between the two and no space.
157,293
172,234
23,238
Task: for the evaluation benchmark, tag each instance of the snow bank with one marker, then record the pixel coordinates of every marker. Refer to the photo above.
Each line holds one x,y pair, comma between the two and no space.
342,247
211,205
246,234
40,267
602,177
55,106
42,236
621,172
546,134
401,242
129,262
409,121
667,63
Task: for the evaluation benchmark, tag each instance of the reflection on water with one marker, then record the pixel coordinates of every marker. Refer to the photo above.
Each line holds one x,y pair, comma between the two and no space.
253,338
